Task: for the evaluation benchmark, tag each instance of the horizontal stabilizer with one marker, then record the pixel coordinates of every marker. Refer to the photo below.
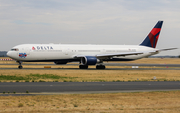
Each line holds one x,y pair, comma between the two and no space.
159,50
166,49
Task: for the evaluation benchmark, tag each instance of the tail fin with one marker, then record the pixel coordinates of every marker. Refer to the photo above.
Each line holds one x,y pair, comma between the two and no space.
152,38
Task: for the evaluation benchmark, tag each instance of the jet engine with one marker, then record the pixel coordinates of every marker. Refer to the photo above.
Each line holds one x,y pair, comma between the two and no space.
89,60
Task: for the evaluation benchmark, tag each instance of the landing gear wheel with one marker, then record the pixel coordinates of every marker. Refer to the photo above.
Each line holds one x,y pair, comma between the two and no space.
20,67
83,66
100,67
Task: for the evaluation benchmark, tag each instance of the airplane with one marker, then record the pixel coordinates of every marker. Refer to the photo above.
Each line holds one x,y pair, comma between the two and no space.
87,54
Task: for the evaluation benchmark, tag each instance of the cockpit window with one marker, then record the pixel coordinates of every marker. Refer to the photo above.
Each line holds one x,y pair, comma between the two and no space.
14,49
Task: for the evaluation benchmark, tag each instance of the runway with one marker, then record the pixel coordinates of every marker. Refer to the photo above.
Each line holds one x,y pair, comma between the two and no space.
86,87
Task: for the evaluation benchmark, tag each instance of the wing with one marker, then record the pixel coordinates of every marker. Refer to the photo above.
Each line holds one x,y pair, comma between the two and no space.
102,56
119,54
110,55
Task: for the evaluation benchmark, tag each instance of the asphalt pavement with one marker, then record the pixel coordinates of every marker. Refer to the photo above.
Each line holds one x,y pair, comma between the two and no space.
86,87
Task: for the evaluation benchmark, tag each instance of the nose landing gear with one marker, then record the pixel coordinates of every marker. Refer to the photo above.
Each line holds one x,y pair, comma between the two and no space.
20,66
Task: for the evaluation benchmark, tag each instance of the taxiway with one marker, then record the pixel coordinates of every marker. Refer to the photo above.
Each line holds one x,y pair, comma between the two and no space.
87,87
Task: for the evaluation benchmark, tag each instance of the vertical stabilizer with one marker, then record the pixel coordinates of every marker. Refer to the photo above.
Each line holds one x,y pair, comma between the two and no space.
152,38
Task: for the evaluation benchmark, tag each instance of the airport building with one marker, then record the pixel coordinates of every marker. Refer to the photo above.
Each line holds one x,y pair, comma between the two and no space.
3,53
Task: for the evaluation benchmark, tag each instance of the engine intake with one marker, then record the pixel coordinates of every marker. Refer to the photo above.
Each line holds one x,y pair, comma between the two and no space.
89,60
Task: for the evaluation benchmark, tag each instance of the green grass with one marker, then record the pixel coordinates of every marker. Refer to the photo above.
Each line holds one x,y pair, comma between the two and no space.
6,77
57,78
33,77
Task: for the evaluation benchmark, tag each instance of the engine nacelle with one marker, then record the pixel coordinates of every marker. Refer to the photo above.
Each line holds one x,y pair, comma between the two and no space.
89,60
60,62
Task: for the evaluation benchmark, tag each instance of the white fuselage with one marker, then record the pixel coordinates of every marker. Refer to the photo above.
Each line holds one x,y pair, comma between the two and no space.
55,52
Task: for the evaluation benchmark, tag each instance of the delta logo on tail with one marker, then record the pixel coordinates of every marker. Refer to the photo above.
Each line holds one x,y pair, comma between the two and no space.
152,38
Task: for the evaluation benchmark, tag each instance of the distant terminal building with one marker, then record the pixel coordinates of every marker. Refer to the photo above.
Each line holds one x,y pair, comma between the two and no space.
3,53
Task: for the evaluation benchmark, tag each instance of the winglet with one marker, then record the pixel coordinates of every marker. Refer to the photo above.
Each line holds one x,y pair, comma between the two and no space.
152,38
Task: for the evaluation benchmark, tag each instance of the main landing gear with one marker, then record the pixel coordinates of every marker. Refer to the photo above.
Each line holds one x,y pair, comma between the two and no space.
20,66
83,66
97,66
100,67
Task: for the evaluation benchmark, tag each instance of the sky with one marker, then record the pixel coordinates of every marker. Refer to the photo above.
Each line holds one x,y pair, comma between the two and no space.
112,22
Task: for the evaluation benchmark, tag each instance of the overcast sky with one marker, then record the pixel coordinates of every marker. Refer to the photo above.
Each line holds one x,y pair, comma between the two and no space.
88,22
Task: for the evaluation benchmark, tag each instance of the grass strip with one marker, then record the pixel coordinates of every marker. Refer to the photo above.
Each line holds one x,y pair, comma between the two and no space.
34,77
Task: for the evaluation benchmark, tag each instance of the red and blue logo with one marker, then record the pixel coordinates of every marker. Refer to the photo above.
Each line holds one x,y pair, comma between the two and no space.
152,38
22,55
33,48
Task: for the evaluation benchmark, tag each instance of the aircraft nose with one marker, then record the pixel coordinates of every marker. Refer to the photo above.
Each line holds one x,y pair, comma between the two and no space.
8,54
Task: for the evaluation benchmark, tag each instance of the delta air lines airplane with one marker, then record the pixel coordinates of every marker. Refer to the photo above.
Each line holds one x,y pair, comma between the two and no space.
87,54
